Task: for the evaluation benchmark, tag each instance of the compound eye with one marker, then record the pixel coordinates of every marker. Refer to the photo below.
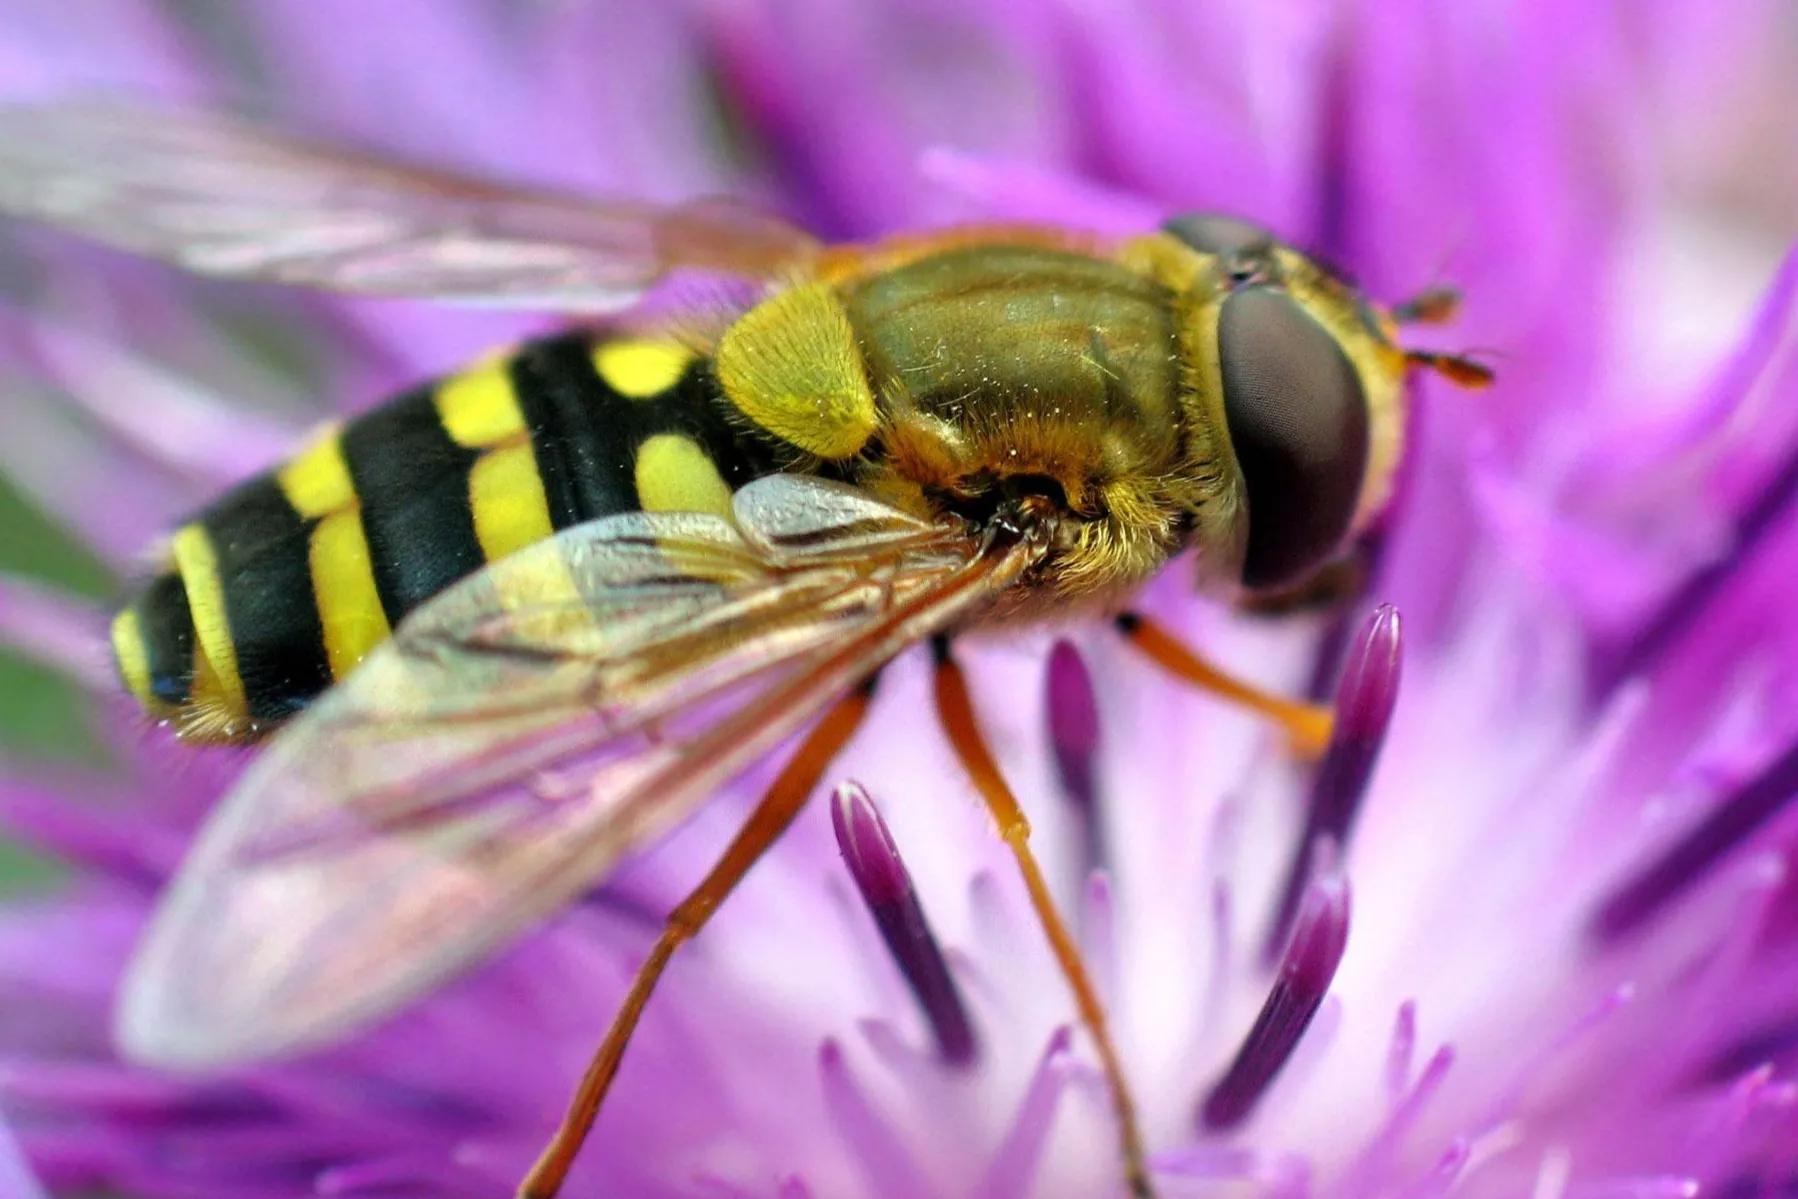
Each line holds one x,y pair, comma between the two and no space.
1298,421
1210,233
1247,248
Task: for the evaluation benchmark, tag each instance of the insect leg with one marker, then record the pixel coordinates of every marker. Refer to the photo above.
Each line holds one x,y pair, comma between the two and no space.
765,825
1307,725
956,711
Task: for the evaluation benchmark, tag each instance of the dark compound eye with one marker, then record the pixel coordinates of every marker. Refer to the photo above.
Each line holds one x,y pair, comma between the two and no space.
1298,422
1246,248
1212,234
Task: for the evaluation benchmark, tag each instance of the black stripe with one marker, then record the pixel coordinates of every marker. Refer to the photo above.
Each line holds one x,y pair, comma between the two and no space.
696,407
167,624
263,550
582,433
412,480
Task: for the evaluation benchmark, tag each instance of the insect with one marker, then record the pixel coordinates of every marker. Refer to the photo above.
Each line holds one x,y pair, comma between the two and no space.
518,622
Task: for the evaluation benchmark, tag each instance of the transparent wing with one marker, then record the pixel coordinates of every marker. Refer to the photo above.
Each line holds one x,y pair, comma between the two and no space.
513,740
223,197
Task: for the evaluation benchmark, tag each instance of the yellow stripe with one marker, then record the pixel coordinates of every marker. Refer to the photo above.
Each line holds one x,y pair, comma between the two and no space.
198,564
506,495
317,482
539,589
675,475
641,370
133,657
343,586
480,407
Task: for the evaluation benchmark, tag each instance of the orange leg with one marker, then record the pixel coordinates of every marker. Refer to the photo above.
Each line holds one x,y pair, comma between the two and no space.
1307,725
765,825
957,714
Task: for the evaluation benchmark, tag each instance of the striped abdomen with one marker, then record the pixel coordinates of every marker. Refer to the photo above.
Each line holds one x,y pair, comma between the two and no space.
281,587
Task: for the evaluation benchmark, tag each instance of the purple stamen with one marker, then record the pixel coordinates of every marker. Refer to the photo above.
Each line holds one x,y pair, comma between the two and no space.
1402,1049
1014,1166
1443,1175
1364,701
889,1167
1074,737
1681,610
1333,644
886,887
1098,930
1692,598
1768,1043
1371,1172
1309,964
172,422
57,630
1731,822
1336,194
1223,941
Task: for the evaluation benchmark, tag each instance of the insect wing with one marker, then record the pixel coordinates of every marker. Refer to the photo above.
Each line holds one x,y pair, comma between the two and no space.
223,197
514,739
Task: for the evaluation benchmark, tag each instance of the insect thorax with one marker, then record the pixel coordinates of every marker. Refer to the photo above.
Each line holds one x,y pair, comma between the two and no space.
953,382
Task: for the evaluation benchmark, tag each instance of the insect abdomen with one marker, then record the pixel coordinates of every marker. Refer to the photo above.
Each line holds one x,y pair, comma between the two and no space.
282,586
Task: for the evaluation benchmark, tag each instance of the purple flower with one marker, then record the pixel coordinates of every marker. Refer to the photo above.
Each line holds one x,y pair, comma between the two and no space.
1569,966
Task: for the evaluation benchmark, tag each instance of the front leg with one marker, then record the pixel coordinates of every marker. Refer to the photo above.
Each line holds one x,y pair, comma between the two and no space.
1307,725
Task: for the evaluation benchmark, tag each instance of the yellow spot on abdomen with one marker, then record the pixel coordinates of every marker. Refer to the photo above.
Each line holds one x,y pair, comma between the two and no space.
506,494
217,685
675,475
480,407
641,370
133,657
541,585
343,585
317,482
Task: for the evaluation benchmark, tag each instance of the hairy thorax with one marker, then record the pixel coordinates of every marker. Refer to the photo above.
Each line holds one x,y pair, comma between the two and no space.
1003,372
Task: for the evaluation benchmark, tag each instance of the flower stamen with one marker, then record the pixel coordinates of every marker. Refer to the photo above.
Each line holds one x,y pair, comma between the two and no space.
889,1165
1074,739
1746,374
1319,936
886,887
56,630
1364,701
1731,822
1014,1167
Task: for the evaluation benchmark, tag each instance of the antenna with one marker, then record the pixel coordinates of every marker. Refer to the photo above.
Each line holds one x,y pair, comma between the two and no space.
1437,305
1459,369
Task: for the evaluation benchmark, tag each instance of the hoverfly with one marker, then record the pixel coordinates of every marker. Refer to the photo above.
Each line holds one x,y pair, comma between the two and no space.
518,622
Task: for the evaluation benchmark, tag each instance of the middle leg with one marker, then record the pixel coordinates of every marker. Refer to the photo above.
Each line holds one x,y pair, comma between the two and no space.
1307,726
770,819
956,711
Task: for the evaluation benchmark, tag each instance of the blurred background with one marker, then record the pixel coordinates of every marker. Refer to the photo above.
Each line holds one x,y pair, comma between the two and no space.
1613,183
859,118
